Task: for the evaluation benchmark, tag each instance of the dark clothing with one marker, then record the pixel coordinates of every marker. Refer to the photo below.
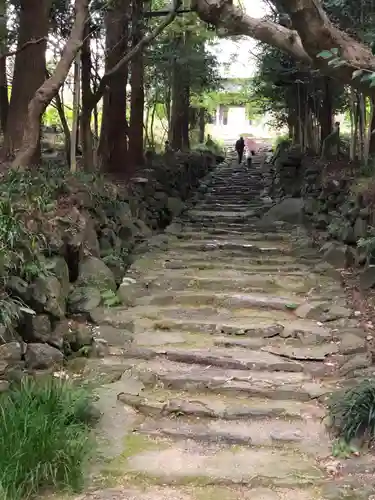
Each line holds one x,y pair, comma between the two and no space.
240,146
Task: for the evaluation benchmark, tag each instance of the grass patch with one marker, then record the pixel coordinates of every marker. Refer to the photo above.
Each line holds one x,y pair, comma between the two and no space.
352,412
44,438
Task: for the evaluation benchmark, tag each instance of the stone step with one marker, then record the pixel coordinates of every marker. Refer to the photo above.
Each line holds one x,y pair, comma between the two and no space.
294,386
230,301
195,492
186,462
161,403
253,283
233,358
306,436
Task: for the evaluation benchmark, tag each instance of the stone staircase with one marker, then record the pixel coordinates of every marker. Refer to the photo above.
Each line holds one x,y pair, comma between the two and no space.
220,394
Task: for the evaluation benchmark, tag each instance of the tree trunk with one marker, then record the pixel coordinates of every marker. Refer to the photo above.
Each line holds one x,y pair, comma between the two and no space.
86,133
185,118
372,130
137,99
326,111
4,102
50,88
202,124
177,108
65,126
29,67
76,101
112,149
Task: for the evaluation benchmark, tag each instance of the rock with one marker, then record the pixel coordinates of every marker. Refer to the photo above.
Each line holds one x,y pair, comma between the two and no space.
78,336
339,256
116,337
10,356
83,299
356,362
322,311
175,206
42,357
360,228
47,296
129,291
18,288
289,210
352,344
367,278
93,272
37,328
312,353
59,268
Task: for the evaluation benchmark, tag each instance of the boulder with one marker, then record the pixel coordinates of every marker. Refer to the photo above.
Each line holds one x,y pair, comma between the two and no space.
18,288
175,206
46,295
37,328
59,268
367,278
129,291
338,255
83,299
360,228
43,357
10,356
93,272
289,210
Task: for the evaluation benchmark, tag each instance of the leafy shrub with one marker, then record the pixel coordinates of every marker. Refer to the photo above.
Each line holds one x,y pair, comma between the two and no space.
44,437
352,412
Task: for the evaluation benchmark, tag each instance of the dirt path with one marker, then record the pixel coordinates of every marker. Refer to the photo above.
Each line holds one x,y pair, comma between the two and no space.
220,394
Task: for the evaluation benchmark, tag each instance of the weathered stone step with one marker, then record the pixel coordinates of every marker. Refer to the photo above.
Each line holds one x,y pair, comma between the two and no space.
230,301
246,318
237,258
307,436
195,492
186,462
266,265
158,403
173,280
240,359
269,385
234,247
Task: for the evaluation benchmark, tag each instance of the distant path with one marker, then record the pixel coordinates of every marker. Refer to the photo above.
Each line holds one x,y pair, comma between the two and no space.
220,396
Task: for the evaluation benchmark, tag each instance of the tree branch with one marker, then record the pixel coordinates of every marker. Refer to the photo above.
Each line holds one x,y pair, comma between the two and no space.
22,48
313,34
133,52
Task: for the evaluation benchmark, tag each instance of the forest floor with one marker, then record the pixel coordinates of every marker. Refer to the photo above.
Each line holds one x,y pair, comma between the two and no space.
221,395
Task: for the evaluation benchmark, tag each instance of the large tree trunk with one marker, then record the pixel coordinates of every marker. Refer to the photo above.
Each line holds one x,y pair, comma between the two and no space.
202,123
29,72
137,92
50,88
86,133
4,102
112,149
326,111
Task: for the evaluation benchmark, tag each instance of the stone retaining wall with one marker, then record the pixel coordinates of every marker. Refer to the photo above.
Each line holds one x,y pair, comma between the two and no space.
342,218
90,242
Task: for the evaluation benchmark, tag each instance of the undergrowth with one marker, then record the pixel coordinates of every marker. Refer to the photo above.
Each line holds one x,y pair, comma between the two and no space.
30,202
352,412
44,438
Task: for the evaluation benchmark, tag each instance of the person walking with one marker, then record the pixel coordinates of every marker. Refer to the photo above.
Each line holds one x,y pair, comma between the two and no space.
240,146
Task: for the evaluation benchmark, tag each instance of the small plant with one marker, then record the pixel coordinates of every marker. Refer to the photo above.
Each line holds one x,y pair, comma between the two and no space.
110,298
352,412
44,437
368,243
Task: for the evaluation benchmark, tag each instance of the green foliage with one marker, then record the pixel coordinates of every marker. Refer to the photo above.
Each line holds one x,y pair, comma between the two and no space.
352,412
110,298
44,437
